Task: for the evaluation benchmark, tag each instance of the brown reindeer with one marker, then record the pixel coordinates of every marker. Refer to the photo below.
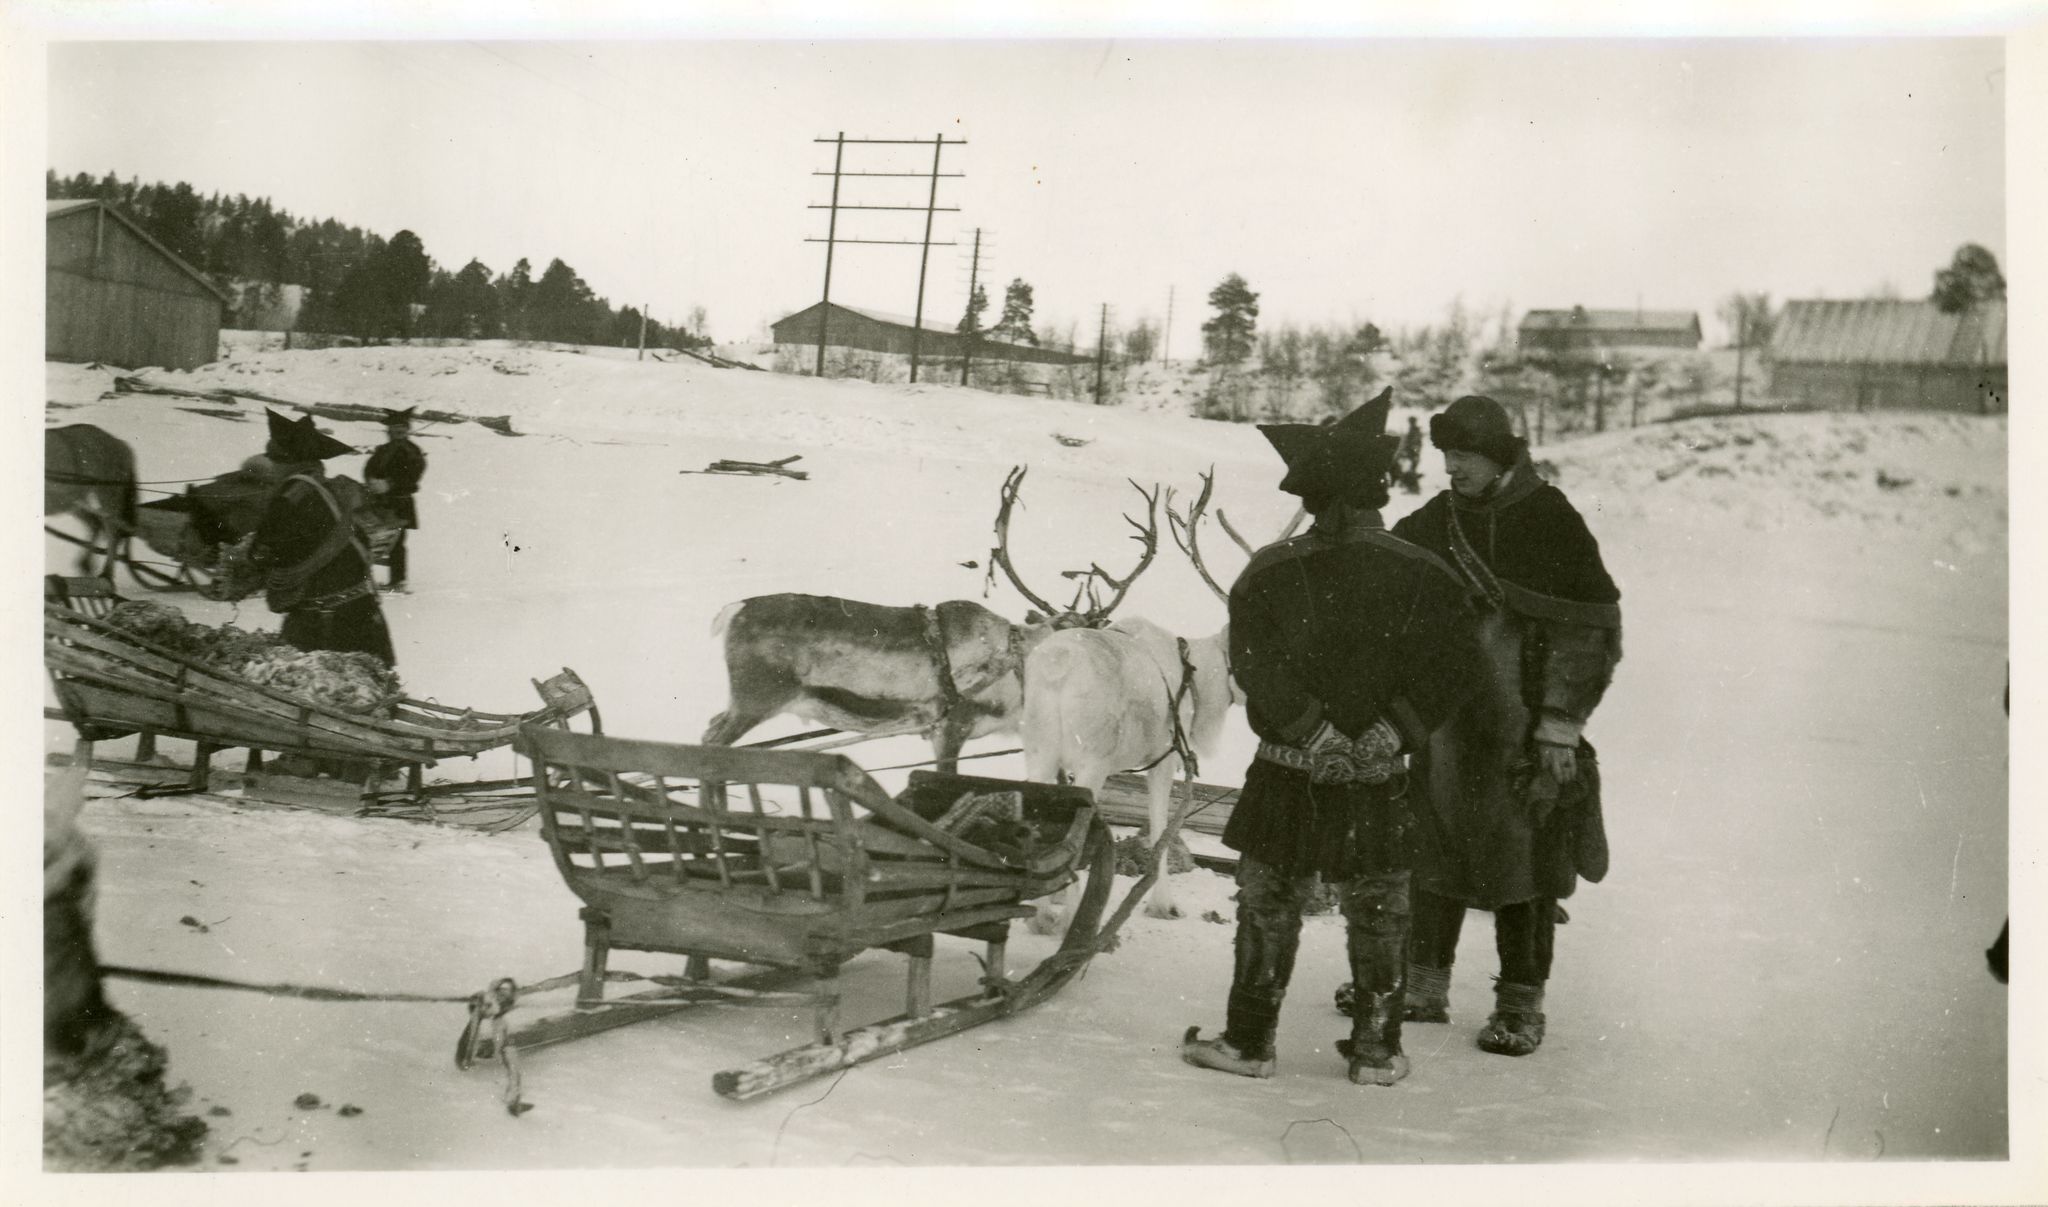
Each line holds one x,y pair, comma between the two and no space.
954,671
90,473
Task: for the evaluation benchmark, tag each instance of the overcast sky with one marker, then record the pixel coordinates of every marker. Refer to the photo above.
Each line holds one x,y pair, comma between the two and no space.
1345,180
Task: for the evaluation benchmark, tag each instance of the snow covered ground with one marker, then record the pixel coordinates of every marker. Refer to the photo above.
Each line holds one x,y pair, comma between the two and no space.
1804,757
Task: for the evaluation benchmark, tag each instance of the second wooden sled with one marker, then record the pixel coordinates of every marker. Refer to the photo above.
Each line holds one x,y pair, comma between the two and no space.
110,683
795,863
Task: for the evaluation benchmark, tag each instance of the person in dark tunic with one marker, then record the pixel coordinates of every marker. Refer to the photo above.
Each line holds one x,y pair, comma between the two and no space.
1350,647
393,476
1408,458
1513,789
316,568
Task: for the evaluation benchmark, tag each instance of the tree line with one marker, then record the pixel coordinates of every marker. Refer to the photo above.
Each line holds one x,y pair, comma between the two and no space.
360,284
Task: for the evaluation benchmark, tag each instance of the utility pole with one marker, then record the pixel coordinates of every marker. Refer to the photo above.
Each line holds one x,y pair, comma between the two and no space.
930,207
974,329
831,233
1101,352
1166,333
924,256
1741,344
642,353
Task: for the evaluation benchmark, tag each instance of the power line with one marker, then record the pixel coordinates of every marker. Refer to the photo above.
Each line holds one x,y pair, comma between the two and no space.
931,207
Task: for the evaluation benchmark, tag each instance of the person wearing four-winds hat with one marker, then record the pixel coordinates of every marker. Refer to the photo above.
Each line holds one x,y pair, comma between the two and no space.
316,567
1350,646
1512,785
393,476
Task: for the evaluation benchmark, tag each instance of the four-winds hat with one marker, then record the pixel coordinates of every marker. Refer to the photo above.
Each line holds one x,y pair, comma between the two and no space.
393,418
1478,424
298,440
1337,458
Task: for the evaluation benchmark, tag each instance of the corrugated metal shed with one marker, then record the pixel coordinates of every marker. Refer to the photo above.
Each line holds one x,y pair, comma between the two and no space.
1888,331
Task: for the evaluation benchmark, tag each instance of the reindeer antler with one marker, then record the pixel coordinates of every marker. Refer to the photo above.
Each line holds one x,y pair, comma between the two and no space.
1147,536
999,557
1187,531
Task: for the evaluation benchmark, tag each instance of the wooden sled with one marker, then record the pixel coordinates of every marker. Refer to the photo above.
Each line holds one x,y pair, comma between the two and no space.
110,684
794,863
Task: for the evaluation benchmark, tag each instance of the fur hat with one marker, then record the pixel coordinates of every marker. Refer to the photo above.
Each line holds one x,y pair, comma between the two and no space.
1478,424
296,440
1340,457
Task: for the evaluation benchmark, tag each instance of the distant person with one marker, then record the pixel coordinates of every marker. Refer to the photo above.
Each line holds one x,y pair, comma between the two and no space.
1511,784
1349,647
1408,458
393,476
316,567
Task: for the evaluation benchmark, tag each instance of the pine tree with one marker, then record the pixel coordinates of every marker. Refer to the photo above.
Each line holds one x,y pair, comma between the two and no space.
1015,325
977,305
1229,336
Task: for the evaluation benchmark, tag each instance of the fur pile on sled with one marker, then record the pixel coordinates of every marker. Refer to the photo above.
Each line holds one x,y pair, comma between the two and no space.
352,682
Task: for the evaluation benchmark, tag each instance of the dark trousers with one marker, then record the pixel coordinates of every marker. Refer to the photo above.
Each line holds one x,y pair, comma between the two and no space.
1524,935
398,559
1269,905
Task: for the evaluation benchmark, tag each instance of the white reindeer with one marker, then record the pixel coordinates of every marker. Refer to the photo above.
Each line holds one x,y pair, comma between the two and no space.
1130,696
1099,701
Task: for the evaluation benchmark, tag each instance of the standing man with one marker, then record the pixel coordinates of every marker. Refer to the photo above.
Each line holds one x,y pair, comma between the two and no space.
1350,647
1512,785
1408,458
393,476
317,570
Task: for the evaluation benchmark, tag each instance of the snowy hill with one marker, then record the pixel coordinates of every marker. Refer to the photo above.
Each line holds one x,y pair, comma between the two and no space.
1804,756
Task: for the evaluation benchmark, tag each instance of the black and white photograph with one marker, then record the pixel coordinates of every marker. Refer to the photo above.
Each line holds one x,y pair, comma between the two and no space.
1049,599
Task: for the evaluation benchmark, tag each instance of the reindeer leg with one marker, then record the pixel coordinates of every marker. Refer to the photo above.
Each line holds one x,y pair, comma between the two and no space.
731,725
947,739
1159,801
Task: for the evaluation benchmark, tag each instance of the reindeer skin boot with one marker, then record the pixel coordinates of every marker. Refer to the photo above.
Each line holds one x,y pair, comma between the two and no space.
1376,940
1268,936
1516,1026
1428,1000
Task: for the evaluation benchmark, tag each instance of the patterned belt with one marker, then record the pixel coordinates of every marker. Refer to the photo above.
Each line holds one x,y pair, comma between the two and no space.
335,599
1326,771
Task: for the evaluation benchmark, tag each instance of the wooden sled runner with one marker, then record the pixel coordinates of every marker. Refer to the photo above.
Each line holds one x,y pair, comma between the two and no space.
795,863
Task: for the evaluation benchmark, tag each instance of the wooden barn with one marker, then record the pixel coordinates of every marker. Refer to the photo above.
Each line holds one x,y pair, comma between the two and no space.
117,296
1889,354
876,331
1579,327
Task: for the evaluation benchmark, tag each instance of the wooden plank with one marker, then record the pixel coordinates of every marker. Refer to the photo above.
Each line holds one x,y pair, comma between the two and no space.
650,814
1123,801
729,764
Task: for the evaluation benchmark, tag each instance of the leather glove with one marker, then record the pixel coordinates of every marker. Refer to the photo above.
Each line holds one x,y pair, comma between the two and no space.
1562,762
